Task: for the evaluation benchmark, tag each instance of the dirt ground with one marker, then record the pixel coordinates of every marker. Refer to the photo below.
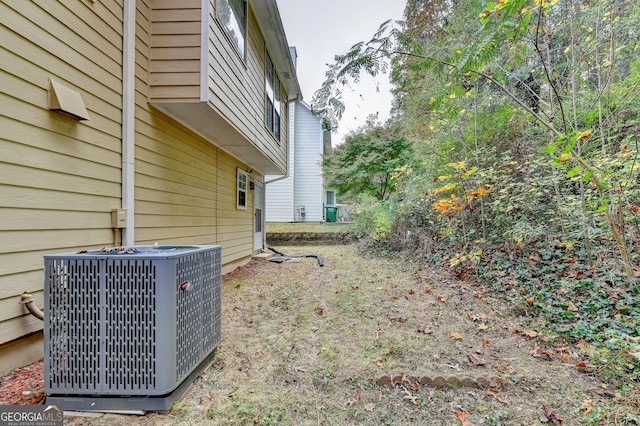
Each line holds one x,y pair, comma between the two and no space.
365,340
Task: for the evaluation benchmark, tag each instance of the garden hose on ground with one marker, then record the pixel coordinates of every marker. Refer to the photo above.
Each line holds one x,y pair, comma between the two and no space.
296,255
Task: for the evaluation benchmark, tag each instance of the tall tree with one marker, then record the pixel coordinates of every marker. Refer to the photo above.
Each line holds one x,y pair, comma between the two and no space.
366,162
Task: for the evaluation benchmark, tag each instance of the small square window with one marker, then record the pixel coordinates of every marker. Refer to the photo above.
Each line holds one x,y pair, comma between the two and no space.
243,185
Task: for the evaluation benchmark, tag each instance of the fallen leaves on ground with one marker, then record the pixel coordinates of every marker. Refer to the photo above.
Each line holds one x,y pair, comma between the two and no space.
529,334
585,366
341,350
476,360
462,415
409,396
546,415
586,407
355,398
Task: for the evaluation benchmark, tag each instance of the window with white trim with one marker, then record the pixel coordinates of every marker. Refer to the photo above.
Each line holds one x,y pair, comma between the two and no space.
331,198
243,186
233,17
273,103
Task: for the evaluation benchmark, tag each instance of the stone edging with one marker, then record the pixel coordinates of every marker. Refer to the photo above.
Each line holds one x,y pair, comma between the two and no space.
339,237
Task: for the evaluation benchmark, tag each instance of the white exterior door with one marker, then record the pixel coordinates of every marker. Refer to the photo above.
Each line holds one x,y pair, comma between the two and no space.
258,216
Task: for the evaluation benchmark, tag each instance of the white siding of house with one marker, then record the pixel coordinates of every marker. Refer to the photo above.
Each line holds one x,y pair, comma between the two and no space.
279,194
304,186
308,183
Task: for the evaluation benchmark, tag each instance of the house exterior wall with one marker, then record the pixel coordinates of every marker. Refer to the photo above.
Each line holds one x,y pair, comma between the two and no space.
200,78
175,50
60,179
304,185
279,195
232,82
308,162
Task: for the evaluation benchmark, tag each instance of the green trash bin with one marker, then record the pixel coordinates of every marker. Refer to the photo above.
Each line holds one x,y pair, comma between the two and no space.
330,213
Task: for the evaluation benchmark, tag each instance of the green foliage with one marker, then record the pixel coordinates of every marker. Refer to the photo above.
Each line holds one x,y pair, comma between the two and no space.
374,218
538,102
370,58
575,301
367,161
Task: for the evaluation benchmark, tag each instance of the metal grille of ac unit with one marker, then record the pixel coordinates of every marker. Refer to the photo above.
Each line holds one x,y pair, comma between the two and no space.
130,324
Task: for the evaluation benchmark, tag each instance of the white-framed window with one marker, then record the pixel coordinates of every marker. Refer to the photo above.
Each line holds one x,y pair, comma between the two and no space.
273,106
243,188
232,14
331,198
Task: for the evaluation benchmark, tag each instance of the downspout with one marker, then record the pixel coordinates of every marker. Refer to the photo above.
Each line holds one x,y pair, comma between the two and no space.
292,112
286,175
291,133
128,118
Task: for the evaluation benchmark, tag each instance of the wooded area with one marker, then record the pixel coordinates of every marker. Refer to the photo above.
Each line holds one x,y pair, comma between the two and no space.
523,167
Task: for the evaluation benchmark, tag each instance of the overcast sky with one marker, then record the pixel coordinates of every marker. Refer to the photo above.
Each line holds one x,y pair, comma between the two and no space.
319,30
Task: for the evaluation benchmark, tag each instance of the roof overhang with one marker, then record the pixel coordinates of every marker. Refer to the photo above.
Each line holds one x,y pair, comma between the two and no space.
203,120
268,17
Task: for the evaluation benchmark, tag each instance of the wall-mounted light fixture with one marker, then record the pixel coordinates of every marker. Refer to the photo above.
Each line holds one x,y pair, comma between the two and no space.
66,101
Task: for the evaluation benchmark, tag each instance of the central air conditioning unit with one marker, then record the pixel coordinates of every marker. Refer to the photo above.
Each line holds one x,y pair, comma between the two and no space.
129,329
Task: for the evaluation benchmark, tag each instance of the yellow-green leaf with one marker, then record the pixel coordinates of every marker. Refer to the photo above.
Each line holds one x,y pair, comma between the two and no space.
469,172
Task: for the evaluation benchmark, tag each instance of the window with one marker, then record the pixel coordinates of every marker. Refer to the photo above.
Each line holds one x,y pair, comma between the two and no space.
273,106
331,198
233,16
243,185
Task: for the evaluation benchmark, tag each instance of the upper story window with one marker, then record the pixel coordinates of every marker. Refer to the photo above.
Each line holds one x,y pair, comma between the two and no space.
233,16
273,105
243,185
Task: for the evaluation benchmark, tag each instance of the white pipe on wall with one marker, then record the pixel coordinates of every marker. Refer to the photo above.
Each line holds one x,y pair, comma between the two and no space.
128,119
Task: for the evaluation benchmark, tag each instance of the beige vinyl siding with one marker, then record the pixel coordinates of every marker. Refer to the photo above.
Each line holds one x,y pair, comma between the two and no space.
59,178
275,149
142,57
235,227
174,170
185,191
237,87
175,176
232,87
184,185
175,50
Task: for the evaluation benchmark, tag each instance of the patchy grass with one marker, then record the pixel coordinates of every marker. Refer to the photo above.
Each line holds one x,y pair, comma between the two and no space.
307,345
